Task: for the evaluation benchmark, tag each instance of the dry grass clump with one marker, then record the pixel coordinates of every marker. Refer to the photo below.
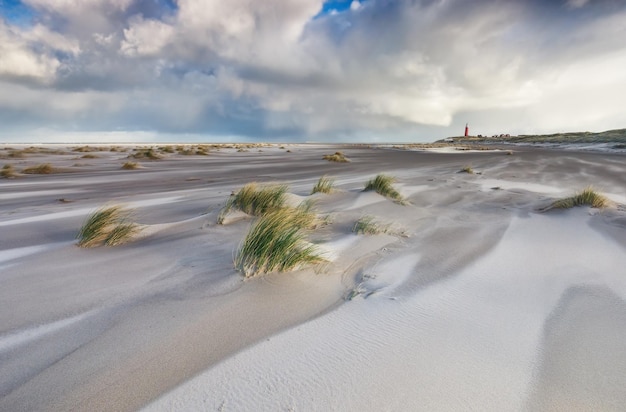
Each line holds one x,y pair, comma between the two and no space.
8,172
467,169
84,149
383,185
324,185
42,169
16,154
89,156
336,157
368,226
130,166
276,243
255,200
108,226
586,197
145,154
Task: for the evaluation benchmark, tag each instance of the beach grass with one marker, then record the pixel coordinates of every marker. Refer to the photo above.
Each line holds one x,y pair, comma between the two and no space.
42,169
130,166
8,171
255,200
336,157
277,243
383,185
467,169
108,226
586,197
324,185
146,154
367,225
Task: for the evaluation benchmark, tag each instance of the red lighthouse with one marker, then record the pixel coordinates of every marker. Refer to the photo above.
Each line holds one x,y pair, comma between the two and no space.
466,130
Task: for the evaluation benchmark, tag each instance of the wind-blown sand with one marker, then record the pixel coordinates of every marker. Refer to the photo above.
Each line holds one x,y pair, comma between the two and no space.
474,300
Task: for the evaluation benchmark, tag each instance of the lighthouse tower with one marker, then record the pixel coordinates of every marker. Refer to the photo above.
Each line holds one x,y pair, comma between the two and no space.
466,130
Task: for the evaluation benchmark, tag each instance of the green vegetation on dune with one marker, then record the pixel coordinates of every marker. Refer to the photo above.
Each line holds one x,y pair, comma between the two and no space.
338,157
108,226
323,185
586,197
7,171
366,225
277,243
255,200
42,169
383,185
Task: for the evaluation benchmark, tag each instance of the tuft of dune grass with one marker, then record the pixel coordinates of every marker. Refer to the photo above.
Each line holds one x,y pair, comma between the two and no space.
145,154
42,169
586,197
255,200
383,185
336,157
277,243
130,166
368,226
324,185
8,172
467,169
108,226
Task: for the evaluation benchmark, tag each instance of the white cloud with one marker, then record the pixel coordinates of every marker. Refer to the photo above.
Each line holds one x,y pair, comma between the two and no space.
146,37
20,54
267,67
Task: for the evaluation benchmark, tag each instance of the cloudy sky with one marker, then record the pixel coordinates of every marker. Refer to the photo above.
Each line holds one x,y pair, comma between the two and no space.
308,70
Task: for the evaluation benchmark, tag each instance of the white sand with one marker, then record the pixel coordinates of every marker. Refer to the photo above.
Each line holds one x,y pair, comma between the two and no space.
473,301
476,339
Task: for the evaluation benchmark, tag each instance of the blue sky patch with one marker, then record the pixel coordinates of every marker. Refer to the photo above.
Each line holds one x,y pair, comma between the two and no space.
334,5
15,12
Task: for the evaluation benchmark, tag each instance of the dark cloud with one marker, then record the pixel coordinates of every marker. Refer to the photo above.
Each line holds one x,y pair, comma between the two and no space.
277,69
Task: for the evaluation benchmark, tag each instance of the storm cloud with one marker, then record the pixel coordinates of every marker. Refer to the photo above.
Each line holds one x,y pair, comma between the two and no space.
383,70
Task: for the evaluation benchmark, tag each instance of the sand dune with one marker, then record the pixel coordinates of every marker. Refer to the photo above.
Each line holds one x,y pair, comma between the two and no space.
473,299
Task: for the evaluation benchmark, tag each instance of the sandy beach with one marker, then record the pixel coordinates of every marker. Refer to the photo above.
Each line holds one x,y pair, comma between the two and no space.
475,298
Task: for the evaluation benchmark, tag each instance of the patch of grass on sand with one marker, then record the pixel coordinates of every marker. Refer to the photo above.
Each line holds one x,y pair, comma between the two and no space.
42,169
255,200
324,185
8,172
130,166
368,226
467,169
145,154
586,197
276,243
336,157
16,154
89,156
108,226
383,185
